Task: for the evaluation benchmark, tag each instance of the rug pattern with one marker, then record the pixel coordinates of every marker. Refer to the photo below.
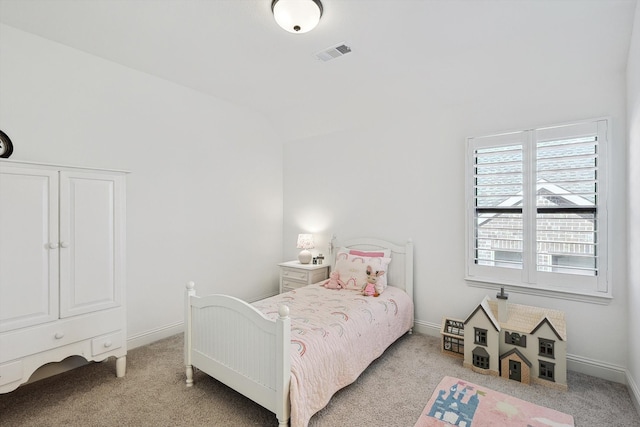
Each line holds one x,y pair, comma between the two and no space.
464,404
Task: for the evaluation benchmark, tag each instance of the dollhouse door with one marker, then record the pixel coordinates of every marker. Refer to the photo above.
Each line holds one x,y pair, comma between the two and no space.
515,370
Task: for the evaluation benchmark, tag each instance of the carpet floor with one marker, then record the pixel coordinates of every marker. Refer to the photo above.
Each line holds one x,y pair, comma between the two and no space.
392,392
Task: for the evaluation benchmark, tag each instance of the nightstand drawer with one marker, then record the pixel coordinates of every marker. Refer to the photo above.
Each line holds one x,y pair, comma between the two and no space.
288,285
295,274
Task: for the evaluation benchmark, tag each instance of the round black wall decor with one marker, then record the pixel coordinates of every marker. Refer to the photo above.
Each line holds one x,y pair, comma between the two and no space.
6,146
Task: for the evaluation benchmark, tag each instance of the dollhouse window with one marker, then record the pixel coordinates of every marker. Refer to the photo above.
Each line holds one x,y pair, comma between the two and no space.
455,345
545,347
547,371
454,327
480,336
453,336
515,339
480,358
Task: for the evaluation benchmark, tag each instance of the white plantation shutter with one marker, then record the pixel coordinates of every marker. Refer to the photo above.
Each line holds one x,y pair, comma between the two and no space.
537,208
498,180
498,200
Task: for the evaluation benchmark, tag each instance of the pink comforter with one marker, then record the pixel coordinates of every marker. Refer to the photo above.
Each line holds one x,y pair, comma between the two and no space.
335,335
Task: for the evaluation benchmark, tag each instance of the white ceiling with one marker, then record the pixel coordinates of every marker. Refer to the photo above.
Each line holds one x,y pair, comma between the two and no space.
406,54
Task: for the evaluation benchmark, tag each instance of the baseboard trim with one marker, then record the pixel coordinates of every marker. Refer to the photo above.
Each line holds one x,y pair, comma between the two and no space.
595,368
427,328
634,391
154,335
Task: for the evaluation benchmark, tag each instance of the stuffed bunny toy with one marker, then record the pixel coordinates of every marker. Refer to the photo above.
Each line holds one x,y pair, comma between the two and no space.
372,278
334,282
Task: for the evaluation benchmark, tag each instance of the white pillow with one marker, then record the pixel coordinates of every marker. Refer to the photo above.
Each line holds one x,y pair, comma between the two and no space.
354,269
352,274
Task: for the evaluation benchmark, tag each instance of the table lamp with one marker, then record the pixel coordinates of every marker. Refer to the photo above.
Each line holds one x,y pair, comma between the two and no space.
305,242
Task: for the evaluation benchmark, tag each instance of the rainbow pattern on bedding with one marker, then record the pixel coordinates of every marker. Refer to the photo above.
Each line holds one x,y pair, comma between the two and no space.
335,335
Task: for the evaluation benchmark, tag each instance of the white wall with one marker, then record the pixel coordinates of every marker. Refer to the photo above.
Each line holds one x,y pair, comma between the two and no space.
633,215
204,197
404,177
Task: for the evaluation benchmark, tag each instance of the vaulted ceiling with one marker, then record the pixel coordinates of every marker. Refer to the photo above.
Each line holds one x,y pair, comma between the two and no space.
405,53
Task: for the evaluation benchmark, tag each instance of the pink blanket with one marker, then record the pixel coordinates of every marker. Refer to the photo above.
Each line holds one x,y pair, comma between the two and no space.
335,335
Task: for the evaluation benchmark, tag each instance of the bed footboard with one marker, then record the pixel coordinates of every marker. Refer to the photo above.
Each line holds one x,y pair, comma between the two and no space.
236,344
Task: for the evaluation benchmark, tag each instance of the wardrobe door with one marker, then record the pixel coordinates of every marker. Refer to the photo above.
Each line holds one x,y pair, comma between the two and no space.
28,247
91,240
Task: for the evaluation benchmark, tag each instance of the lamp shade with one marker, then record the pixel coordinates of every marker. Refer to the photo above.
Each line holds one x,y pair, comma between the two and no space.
297,16
305,241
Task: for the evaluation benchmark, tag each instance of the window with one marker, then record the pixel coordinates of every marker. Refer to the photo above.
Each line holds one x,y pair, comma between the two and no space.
480,358
568,263
515,339
547,371
480,336
506,258
455,327
545,347
537,208
453,336
455,345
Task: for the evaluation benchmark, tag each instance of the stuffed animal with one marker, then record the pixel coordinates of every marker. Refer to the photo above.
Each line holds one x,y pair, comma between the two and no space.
334,282
372,278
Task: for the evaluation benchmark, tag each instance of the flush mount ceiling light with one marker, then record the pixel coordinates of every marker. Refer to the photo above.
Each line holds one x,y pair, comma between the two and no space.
297,16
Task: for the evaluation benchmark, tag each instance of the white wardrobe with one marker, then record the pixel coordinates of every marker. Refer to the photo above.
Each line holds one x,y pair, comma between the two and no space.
62,277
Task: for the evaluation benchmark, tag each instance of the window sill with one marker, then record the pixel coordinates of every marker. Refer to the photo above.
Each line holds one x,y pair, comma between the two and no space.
592,298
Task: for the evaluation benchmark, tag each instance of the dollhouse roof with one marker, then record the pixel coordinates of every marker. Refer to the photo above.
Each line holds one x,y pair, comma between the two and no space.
485,307
523,319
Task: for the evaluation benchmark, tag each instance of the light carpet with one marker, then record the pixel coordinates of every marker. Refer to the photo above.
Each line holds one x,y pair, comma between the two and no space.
391,393
464,404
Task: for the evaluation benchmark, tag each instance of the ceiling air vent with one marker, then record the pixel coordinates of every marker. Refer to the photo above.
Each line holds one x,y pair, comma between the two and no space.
333,52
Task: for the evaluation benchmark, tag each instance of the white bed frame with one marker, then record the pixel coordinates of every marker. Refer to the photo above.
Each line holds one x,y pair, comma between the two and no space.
233,342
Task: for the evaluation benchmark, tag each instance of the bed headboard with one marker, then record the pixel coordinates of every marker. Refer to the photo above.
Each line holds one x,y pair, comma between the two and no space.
400,272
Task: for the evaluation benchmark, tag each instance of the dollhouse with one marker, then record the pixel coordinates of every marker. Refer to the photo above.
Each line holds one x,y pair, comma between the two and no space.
518,342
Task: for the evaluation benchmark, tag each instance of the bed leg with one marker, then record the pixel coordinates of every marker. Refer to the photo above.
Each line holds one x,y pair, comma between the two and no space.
411,331
121,366
189,375
284,423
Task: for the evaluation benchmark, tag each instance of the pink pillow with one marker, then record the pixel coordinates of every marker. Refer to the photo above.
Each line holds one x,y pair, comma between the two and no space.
373,254
365,253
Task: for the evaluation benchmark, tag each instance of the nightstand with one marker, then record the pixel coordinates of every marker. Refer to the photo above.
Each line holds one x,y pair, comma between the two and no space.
295,275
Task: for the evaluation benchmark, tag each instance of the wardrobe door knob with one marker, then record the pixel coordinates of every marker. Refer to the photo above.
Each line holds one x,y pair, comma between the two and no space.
64,244
53,246
59,335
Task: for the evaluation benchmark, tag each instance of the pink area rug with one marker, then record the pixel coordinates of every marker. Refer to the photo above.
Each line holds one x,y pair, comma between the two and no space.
461,403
